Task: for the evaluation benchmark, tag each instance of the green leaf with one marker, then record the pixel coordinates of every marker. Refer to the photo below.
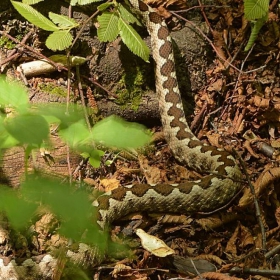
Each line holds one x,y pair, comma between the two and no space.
116,132
59,40
34,17
63,21
108,27
6,140
76,134
83,2
256,27
94,157
13,95
58,112
133,41
72,206
31,2
127,16
18,211
104,6
28,128
255,9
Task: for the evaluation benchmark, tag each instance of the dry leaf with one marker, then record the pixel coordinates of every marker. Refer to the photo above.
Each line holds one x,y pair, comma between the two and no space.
216,86
120,268
110,184
266,178
154,245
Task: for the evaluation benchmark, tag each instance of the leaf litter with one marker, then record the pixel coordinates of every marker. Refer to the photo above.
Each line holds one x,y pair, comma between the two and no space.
241,96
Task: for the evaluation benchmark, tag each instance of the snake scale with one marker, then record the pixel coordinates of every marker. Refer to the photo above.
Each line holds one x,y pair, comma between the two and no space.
204,195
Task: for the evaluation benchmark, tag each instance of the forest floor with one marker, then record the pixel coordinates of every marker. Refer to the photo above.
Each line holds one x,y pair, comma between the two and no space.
237,108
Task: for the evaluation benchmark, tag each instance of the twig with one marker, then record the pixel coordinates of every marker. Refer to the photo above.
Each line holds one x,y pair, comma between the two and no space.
82,97
11,57
207,39
37,54
83,27
67,111
242,66
254,271
238,78
213,46
92,80
272,252
134,269
256,203
13,54
204,15
198,116
201,6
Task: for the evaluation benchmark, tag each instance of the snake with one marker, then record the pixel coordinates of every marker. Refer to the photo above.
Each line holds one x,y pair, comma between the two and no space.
221,173
221,179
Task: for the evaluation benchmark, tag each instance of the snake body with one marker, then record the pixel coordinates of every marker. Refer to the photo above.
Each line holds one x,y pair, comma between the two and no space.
210,192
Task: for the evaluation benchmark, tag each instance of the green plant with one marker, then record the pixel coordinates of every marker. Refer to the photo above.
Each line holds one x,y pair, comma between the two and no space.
28,126
255,11
61,38
22,124
111,24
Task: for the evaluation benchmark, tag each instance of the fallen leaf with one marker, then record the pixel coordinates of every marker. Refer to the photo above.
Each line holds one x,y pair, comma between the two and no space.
154,245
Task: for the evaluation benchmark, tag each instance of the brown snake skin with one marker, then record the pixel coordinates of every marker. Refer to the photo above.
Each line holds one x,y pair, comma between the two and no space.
204,195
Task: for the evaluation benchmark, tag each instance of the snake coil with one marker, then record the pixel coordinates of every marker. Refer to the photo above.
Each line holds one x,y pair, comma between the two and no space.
207,194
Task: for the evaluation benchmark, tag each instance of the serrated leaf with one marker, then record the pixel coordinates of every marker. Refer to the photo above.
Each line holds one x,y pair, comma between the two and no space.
108,27
104,6
59,40
255,9
63,21
31,2
83,2
133,40
116,132
127,16
34,17
28,128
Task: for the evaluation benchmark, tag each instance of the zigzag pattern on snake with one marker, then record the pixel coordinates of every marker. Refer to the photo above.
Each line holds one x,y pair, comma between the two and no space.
204,195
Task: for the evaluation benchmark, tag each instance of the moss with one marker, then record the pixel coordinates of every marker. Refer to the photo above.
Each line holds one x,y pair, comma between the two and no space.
6,43
53,89
131,87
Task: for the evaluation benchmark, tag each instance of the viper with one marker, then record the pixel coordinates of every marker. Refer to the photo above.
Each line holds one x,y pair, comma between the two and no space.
217,188
222,174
